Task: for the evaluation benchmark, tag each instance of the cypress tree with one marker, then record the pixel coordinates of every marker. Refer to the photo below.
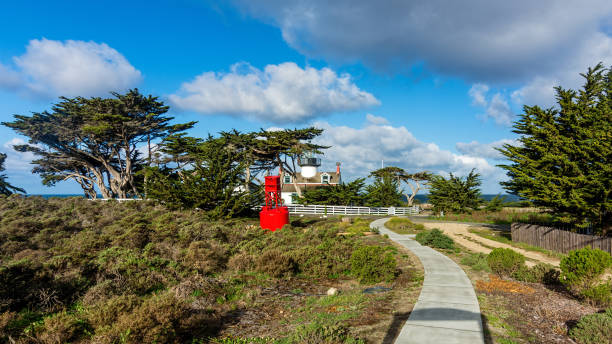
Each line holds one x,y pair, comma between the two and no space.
563,159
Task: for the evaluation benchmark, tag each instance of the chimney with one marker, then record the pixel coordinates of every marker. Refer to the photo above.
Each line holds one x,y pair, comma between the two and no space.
337,168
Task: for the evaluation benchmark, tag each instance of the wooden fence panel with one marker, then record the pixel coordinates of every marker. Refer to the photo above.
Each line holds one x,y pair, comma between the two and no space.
557,240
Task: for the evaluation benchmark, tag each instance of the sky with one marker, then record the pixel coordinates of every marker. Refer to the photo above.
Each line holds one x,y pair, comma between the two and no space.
424,85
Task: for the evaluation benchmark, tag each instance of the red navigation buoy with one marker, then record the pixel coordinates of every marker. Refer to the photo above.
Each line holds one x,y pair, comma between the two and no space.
273,214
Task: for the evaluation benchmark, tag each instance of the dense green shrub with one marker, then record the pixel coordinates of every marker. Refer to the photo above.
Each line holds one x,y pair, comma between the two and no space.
581,268
276,263
593,328
373,264
505,261
316,333
600,295
435,238
477,261
539,273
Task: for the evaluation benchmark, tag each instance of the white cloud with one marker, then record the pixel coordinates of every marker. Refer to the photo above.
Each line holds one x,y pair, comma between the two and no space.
496,108
70,68
279,93
478,93
480,40
361,150
9,79
376,120
17,161
484,150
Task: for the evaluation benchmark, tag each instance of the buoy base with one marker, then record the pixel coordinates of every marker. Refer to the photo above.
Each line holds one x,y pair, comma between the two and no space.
273,218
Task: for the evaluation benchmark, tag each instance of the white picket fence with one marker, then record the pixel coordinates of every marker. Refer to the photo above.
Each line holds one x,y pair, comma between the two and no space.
346,210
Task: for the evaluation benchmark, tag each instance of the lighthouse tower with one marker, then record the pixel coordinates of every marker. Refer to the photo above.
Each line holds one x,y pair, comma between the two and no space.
309,165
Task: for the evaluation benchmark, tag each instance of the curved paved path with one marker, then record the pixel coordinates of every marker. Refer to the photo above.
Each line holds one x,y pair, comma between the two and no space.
447,310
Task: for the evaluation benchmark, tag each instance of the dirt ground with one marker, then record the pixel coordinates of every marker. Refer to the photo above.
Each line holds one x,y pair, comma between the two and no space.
460,233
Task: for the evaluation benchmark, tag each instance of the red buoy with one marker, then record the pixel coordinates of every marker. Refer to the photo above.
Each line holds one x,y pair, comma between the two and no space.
273,214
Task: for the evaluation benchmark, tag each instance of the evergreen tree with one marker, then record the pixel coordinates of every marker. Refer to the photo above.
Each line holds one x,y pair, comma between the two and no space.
455,194
5,187
564,157
413,180
341,194
95,141
206,174
384,192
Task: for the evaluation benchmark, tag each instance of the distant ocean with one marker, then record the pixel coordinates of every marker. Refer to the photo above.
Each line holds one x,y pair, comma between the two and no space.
421,198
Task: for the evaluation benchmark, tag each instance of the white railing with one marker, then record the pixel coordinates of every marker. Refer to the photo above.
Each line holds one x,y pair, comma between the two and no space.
346,210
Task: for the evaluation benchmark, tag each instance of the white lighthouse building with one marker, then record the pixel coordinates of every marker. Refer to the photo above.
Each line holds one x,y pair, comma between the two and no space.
308,177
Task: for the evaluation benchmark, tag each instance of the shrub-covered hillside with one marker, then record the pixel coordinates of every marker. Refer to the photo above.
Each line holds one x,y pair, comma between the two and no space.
73,270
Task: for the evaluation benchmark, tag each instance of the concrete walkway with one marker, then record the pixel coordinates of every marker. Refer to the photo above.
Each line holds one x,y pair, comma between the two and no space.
447,310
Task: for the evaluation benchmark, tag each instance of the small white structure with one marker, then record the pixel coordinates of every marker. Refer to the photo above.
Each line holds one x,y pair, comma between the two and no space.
308,178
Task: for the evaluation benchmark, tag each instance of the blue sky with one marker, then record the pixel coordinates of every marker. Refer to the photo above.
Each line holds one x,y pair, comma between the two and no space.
425,85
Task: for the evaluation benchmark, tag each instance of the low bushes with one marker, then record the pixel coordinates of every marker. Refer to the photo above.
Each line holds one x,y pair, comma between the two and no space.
539,273
73,270
580,269
599,295
316,333
593,328
373,264
477,261
505,261
402,225
435,238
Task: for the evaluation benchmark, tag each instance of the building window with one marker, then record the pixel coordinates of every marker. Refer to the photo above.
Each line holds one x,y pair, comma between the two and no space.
287,179
325,178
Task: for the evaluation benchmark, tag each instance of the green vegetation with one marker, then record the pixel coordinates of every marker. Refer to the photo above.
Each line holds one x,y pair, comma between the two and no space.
6,188
413,180
401,225
342,194
477,261
94,141
495,204
209,177
373,264
562,160
600,295
539,273
581,268
594,328
73,270
505,261
384,192
435,238
455,194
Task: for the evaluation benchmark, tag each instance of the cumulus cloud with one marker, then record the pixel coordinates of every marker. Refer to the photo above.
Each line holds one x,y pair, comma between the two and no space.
69,68
496,107
362,150
17,161
279,93
481,40
484,150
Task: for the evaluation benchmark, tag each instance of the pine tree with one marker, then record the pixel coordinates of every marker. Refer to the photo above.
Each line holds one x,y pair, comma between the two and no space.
384,192
564,157
455,194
